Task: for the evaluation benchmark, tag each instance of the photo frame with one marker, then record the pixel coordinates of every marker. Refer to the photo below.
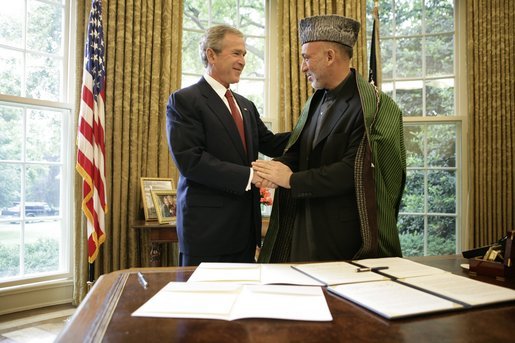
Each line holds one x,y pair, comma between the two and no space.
149,184
165,203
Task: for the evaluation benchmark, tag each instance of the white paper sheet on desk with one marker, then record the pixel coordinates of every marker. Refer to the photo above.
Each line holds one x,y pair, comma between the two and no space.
400,267
230,301
334,273
250,273
392,300
468,291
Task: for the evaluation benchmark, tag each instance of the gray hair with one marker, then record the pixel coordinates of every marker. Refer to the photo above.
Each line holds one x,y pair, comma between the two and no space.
213,38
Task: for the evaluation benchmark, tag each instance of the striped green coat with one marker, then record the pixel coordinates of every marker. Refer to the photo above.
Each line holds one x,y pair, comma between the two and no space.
379,177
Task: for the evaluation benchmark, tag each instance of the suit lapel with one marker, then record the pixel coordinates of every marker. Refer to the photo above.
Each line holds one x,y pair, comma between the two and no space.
332,116
221,111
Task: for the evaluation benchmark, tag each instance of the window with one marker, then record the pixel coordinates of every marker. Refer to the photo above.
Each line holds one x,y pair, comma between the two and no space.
35,145
249,17
418,53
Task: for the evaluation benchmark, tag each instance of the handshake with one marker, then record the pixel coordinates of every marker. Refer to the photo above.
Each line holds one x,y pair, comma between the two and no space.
271,174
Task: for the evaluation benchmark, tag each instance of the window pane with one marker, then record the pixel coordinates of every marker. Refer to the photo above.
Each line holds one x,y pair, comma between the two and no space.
44,135
388,63
441,191
191,62
10,196
42,189
196,14
386,19
44,76
10,242
44,27
11,72
254,91
439,55
252,17
224,12
441,235
255,58
409,97
411,235
441,145
188,80
414,143
42,248
439,16
408,14
11,127
11,23
440,97
409,57
413,197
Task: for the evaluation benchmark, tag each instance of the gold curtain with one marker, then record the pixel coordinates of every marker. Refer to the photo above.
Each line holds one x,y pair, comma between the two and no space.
491,100
143,55
294,88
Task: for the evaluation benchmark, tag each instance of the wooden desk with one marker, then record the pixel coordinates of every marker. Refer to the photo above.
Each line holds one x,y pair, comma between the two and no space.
157,234
105,315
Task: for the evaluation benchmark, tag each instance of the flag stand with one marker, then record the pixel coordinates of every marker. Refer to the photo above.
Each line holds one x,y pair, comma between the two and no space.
91,277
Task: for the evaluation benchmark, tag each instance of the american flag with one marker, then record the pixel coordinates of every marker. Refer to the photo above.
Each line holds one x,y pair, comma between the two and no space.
90,134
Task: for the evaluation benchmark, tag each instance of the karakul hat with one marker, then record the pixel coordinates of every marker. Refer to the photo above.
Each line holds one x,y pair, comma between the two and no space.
331,28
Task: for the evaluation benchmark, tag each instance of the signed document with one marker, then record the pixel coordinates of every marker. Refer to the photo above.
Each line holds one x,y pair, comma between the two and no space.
334,273
231,301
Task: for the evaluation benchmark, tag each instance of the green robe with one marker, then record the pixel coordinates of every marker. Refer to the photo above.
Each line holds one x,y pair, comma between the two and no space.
379,175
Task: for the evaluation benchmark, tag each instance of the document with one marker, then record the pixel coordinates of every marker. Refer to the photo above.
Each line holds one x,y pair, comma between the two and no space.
391,299
400,267
251,273
334,273
468,291
417,289
231,301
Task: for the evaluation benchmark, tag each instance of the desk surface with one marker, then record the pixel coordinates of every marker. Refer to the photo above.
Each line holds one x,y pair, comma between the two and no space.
105,315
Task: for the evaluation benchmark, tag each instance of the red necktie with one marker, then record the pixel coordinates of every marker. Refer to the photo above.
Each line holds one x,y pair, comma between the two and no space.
236,116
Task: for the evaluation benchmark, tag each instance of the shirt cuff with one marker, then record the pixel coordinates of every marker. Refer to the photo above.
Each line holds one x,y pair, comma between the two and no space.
249,184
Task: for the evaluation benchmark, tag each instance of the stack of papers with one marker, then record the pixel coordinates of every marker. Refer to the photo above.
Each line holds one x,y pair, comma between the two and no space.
391,287
230,301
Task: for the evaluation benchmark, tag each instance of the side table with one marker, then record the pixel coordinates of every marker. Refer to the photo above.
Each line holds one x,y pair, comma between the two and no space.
157,234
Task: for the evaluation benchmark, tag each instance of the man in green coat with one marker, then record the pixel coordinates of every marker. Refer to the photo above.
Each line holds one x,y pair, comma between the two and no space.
342,174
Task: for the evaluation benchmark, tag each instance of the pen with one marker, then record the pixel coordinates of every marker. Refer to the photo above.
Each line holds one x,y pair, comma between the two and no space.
368,269
142,280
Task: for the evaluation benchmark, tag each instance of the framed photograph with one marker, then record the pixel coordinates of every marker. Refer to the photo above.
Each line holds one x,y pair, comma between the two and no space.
165,203
149,184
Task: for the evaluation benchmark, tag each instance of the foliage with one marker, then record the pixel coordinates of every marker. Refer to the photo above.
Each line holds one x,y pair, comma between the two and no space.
40,256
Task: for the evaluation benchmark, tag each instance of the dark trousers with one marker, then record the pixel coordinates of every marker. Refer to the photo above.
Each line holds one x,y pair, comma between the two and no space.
245,256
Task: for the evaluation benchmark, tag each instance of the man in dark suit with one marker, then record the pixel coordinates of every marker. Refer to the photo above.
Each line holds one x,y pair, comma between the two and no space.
214,135
343,172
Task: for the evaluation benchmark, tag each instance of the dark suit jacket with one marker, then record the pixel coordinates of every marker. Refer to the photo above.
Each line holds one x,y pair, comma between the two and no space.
215,215
323,179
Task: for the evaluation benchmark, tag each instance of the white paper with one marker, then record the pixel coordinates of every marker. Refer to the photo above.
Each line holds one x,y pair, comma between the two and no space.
250,273
400,267
333,273
391,299
469,291
229,301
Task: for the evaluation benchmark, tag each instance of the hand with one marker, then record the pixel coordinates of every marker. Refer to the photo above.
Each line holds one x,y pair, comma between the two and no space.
257,180
273,171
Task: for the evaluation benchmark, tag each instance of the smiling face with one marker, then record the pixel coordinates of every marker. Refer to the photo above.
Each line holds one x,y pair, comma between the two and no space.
227,65
314,63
